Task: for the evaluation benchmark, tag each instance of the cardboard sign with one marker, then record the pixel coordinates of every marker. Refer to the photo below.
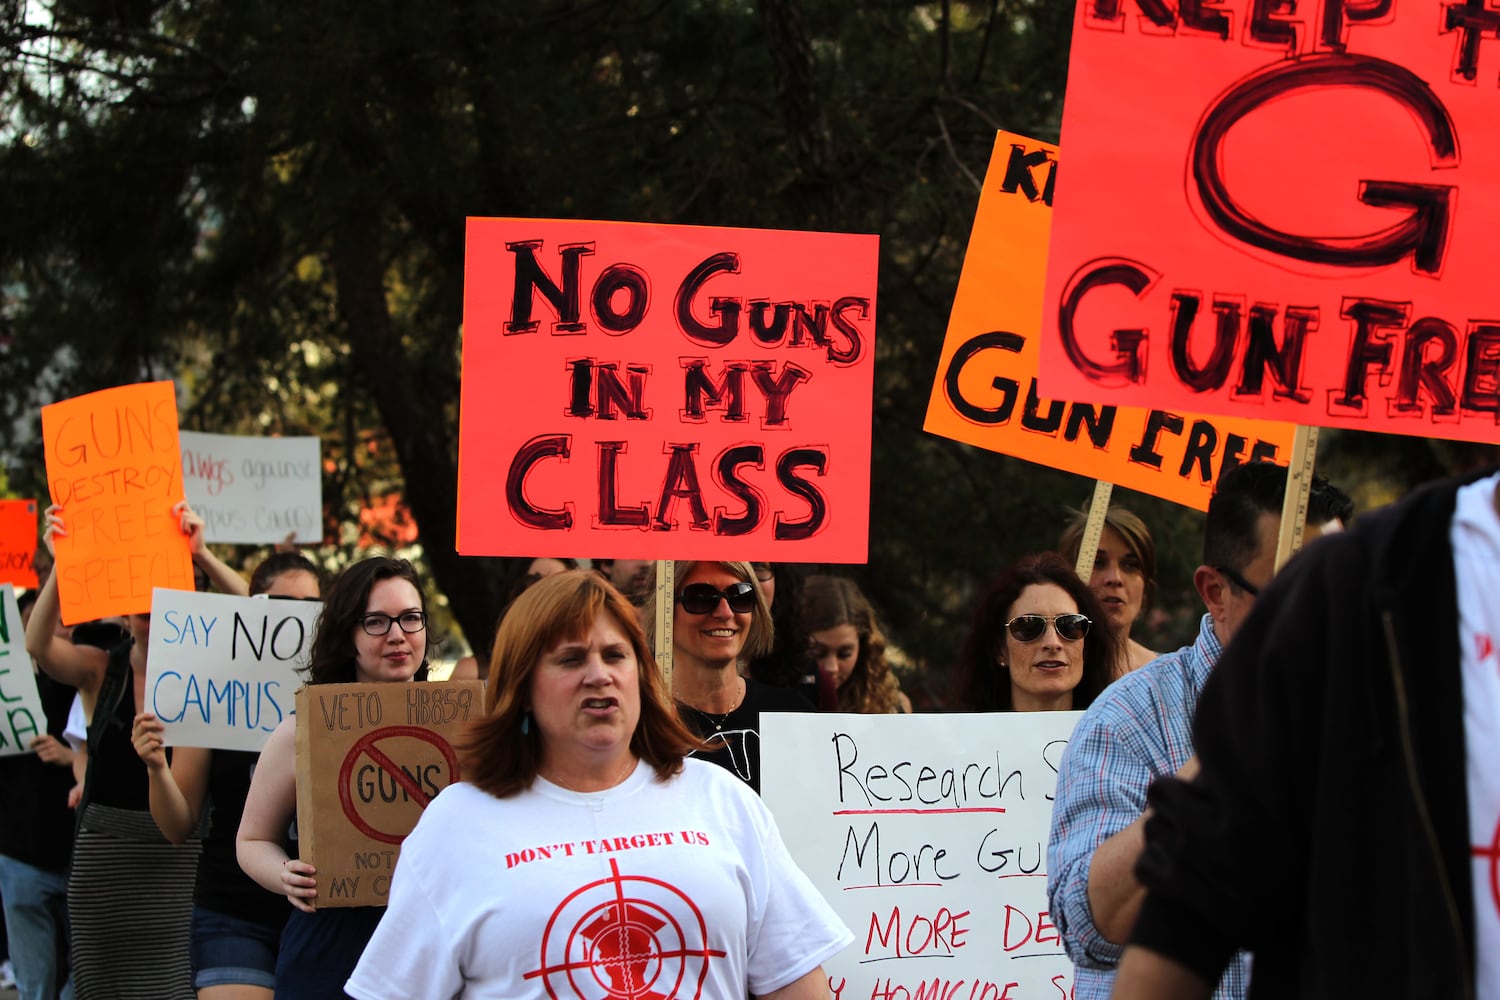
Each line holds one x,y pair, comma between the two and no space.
223,671
369,759
254,490
928,835
113,466
666,392
22,718
986,388
18,538
1280,210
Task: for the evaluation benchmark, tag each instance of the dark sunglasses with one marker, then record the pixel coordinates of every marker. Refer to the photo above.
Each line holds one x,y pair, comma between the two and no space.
701,598
1029,628
1238,581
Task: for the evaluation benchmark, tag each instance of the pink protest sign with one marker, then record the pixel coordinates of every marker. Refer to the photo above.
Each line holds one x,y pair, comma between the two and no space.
1281,211
652,391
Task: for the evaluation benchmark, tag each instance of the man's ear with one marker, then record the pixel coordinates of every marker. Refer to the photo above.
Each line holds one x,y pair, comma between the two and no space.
1212,589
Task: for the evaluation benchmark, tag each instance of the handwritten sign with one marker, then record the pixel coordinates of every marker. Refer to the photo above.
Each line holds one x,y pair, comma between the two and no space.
369,759
222,670
113,466
1281,211
986,391
254,490
928,836
18,538
23,716
645,391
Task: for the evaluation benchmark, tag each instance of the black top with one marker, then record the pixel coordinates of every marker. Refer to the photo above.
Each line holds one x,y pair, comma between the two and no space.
116,774
36,825
222,885
734,739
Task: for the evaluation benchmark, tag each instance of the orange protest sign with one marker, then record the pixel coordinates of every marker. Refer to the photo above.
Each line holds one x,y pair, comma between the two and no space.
1282,211
666,392
114,467
18,540
986,391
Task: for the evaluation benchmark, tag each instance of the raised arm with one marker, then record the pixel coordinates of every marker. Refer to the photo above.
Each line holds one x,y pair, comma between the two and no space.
269,809
178,790
224,579
81,667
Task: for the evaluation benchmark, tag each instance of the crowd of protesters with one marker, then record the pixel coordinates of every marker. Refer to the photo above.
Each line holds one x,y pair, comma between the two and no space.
132,870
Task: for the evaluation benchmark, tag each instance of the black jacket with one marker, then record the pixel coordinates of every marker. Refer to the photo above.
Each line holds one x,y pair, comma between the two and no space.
1328,831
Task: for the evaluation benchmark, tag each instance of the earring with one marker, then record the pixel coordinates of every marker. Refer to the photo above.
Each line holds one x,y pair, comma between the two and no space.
526,724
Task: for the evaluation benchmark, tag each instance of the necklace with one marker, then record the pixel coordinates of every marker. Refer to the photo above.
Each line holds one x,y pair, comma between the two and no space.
718,721
611,783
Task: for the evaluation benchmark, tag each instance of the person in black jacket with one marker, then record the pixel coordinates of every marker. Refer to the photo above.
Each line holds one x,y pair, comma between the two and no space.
1343,823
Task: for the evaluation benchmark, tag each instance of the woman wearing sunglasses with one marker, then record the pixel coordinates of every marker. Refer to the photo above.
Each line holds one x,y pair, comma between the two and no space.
373,628
720,616
1034,646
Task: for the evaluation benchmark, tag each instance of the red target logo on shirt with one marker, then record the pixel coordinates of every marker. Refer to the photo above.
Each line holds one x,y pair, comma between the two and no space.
625,937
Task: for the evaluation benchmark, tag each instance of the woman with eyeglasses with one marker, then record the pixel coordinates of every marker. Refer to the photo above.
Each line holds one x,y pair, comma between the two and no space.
1034,645
721,616
373,629
236,924
844,641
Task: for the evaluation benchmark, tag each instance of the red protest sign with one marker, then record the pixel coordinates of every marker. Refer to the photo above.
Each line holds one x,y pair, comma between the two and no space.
115,468
18,540
1280,212
648,391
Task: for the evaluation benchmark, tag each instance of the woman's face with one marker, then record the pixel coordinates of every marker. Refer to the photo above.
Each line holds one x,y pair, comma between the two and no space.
835,651
294,584
1048,667
585,695
396,655
765,575
1118,581
716,637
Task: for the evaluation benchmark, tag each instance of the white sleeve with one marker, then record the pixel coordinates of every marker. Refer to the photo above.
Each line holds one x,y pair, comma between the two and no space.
411,954
797,930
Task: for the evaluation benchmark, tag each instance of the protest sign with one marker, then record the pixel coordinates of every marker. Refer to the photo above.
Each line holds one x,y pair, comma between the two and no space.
25,718
1282,211
114,467
986,392
18,539
254,490
651,391
369,759
928,835
222,671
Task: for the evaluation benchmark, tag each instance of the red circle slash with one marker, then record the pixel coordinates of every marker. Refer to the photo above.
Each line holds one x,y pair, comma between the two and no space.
364,746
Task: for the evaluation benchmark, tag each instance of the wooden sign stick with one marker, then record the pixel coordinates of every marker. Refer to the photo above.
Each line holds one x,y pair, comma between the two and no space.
1298,488
666,598
1093,529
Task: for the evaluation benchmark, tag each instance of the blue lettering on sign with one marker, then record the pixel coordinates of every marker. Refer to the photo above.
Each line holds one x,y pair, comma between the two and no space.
188,630
233,703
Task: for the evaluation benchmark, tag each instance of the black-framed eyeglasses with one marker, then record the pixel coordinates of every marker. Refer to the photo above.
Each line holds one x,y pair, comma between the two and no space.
1029,628
1239,581
702,598
410,621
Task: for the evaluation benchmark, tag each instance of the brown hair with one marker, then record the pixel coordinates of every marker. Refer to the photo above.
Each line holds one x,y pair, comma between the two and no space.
831,601
1132,531
981,683
761,634
501,759
331,657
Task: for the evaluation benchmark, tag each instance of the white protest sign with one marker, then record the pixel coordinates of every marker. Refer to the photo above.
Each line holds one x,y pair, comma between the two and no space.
222,671
254,490
23,718
928,835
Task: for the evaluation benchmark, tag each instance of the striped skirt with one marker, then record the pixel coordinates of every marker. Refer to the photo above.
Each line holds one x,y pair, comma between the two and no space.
130,904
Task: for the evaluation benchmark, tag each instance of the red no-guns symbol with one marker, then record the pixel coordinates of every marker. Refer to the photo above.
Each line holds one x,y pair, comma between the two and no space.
366,747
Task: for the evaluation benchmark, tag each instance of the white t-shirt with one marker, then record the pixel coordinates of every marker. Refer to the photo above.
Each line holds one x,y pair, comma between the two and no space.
1475,536
77,730
647,890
